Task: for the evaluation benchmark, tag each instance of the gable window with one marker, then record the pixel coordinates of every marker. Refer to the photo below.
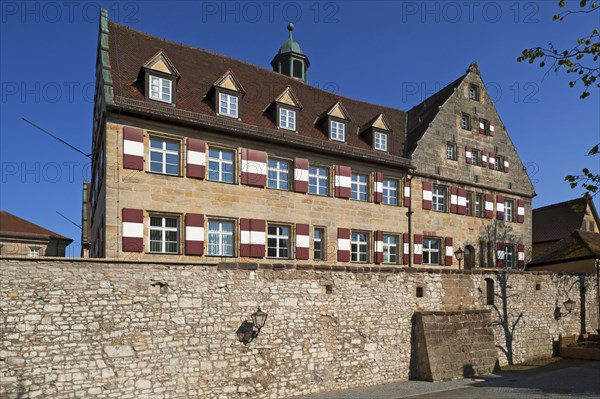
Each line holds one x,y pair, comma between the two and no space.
499,165
160,89
381,141
338,131
390,192
474,92
318,180
469,207
319,244
164,156
478,205
34,252
431,251
278,177
484,126
438,199
390,248
228,105
508,211
465,121
287,119
220,165
359,247
451,152
164,234
359,187
592,224
475,159
278,242
220,237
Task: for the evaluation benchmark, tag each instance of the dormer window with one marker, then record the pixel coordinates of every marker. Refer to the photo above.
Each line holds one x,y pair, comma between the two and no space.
337,131
228,105
381,141
287,119
160,89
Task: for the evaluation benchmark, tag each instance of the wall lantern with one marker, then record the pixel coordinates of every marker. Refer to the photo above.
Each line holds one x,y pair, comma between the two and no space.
569,306
459,253
250,330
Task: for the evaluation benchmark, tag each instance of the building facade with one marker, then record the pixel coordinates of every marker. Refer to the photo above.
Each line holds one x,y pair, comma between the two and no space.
201,157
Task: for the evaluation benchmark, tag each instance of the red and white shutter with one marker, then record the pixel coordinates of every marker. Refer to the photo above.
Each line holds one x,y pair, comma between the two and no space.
484,159
343,241
489,206
252,238
521,256
520,211
481,126
133,230
491,128
427,195
133,148
468,155
449,251
343,181
194,234
501,254
454,199
500,207
506,164
254,167
492,160
406,192
378,247
196,158
301,175
378,180
462,201
405,248
302,241
418,249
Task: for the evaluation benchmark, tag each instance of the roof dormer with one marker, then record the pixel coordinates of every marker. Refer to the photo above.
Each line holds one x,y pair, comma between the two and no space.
160,78
337,119
228,95
286,108
377,132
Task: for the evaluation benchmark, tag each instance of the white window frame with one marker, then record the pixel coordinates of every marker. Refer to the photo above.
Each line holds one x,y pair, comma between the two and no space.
163,152
479,210
429,250
337,131
157,87
287,119
390,193
229,105
320,241
390,248
359,248
465,121
282,175
469,204
438,199
509,256
451,152
278,235
509,210
35,251
163,229
475,157
381,141
220,161
317,181
360,189
221,238
474,92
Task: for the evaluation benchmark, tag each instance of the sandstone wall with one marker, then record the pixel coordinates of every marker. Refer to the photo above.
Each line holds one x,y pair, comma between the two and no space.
108,329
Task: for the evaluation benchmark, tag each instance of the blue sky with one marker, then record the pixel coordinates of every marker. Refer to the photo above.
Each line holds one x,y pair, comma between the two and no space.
390,53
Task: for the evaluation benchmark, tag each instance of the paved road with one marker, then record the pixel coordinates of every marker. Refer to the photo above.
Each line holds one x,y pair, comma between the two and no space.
563,379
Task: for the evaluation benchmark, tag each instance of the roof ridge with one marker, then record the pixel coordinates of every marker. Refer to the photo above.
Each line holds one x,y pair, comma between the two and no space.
560,203
460,78
253,66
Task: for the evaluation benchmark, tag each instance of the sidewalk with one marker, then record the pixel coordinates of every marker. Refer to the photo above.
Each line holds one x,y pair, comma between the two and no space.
564,378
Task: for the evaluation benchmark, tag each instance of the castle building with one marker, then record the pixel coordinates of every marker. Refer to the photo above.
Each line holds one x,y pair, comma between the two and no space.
199,157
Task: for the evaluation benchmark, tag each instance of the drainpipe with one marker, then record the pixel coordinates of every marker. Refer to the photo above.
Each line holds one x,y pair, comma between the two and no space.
409,214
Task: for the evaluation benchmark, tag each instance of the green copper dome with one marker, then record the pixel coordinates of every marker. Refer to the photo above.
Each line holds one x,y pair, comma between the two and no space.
290,45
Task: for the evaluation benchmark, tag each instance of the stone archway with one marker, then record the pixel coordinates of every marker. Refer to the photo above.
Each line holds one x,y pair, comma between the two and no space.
469,257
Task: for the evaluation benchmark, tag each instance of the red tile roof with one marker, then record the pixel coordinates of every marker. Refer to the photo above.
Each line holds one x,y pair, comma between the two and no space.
557,221
14,226
199,69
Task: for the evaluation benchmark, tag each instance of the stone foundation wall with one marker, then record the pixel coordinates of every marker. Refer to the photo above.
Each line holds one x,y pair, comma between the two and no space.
81,328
